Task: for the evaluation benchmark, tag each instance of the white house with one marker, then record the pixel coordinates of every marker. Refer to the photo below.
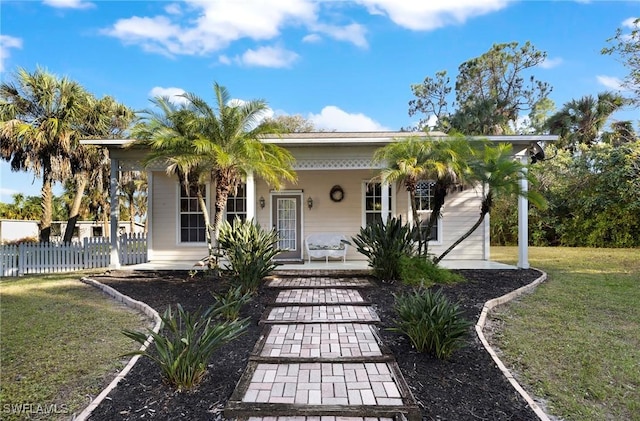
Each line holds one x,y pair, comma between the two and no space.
334,193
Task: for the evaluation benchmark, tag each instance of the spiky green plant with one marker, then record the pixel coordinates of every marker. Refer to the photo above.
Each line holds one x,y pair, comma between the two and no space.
232,301
384,245
432,322
185,343
250,251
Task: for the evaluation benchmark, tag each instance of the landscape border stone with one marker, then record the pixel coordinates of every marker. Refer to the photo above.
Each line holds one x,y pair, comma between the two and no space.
133,304
490,305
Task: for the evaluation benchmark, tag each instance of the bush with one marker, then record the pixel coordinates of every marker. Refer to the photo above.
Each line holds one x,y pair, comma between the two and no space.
420,271
431,321
250,251
229,304
186,342
384,245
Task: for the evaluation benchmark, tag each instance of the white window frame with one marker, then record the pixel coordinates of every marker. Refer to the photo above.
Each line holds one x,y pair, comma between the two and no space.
425,214
246,204
390,203
179,219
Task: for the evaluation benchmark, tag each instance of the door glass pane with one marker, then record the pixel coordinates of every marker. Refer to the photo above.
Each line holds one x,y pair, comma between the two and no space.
286,223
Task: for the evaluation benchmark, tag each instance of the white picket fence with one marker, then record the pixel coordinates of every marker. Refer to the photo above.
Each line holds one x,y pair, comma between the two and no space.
28,258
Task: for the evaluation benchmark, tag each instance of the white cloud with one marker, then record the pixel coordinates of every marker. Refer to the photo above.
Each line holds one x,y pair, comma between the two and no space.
631,23
432,14
268,57
173,9
213,24
69,4
610,82
174,94
550,63
333,118
6,44
224,59
353,33
312,38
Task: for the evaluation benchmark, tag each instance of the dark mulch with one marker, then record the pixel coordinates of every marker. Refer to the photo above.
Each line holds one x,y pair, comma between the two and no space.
467,387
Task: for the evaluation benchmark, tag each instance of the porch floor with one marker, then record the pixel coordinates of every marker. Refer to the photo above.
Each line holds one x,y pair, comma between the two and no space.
319,265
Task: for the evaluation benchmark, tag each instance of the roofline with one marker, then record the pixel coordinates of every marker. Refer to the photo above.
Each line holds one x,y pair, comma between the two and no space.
347,138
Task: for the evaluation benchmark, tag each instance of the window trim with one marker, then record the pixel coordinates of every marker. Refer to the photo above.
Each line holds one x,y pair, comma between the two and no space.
392,202
207,198
425,215
246,204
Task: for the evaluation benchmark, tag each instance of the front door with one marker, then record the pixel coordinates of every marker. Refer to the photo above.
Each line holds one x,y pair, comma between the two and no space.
286,217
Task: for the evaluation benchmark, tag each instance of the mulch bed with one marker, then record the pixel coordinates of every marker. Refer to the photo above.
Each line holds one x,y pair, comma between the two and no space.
466,387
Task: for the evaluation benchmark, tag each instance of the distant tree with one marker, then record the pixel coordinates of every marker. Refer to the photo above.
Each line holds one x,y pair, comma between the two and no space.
292,124
580,122
536,123
627,47
494,88
431,102
622,132
492,91
39,115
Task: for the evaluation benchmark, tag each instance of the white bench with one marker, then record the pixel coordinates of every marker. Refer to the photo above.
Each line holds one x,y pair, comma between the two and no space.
326,244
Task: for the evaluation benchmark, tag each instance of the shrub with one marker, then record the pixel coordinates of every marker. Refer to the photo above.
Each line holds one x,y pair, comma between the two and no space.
384,245
186,342
249,250
431,321
420,271
229,304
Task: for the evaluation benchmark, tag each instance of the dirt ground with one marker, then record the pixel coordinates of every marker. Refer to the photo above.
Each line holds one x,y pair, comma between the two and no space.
466,387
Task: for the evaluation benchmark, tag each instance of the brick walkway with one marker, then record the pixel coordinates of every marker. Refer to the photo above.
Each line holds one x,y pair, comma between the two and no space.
320,359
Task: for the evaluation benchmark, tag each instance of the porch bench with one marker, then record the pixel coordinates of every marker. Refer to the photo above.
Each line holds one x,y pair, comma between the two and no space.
326,244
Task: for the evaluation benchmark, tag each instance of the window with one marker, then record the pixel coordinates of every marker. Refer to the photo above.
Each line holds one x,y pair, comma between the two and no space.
237,204
424,205
373,202
96,231
192,226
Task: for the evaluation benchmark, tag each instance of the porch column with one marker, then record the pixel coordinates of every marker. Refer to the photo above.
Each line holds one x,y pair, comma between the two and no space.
384,193
115,215
251,196
523,219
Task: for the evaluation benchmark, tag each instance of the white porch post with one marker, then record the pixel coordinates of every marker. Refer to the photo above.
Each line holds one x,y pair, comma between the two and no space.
385,202
115,215
523,220
251,196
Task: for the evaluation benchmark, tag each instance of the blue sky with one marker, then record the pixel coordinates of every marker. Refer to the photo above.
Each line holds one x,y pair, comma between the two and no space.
346,65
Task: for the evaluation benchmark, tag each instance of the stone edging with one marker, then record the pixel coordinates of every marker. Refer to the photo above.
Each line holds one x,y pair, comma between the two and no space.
489,305
136,305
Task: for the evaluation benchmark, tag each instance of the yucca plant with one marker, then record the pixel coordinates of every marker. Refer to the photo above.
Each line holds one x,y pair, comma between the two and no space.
185,343
230,303
384,245
249,250
432,322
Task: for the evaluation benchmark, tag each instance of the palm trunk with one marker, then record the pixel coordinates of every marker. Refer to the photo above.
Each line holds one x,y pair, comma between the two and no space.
213,257
416,219
47,204
82,182
484,210
132,211
438,202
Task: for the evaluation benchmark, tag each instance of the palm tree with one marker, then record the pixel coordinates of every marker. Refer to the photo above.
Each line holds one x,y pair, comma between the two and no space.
416,159
581,121
499,173
104,118
228,143
38,118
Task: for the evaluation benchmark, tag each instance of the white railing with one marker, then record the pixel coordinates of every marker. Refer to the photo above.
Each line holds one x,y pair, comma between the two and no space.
27,258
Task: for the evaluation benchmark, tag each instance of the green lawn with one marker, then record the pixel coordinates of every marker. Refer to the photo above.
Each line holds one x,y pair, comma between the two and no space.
60,343
576,340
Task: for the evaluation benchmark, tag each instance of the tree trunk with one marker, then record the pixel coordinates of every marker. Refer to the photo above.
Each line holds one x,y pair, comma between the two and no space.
47,204
461,239
132,211
213,257
440,192
416,220
82,182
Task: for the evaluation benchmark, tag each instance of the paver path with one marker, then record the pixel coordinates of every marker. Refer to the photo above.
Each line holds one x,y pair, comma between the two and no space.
320,359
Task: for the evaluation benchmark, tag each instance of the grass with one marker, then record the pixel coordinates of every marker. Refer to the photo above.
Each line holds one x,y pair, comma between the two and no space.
576,341
60,344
